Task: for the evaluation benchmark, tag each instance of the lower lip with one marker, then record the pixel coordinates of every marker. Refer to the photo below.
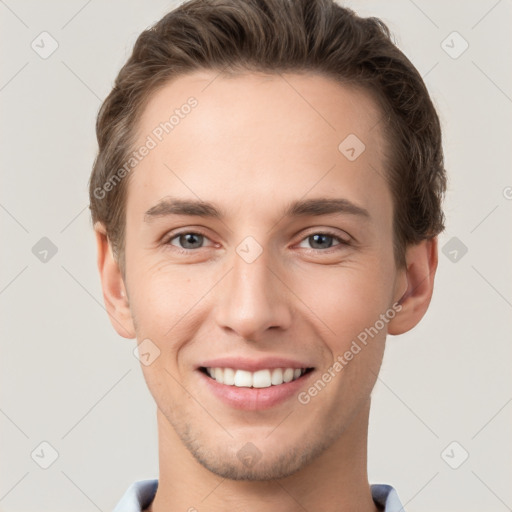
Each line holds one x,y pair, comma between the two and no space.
252,399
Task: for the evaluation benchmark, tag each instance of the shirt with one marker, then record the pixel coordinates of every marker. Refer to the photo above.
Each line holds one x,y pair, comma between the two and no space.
140,494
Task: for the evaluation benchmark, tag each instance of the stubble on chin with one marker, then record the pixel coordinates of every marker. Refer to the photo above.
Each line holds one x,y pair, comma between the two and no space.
222,460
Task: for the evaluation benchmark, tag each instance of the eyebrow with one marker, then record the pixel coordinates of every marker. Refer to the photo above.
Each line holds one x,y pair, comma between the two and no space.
316,207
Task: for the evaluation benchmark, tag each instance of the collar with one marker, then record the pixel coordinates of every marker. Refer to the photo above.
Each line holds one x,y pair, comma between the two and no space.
141,493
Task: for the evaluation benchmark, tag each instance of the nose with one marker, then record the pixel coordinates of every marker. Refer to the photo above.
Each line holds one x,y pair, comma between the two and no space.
253,299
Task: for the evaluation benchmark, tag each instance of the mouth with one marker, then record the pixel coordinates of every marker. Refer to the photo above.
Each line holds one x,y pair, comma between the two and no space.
254,384
260,379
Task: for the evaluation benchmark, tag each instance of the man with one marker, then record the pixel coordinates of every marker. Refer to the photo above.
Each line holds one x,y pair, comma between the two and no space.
266,200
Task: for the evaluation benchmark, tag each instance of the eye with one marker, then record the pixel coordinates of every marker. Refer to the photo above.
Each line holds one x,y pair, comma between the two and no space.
187,240
323,240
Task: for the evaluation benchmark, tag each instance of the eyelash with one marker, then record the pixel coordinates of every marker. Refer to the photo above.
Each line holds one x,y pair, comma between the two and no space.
341,242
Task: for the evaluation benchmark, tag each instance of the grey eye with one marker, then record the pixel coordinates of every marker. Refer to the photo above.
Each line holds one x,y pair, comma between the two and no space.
320,241
189,240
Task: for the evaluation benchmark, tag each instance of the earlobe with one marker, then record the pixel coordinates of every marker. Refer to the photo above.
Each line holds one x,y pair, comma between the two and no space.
112,283
421,265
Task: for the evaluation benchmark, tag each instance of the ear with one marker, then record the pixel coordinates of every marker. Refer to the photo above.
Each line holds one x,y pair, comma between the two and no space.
114,291
421,265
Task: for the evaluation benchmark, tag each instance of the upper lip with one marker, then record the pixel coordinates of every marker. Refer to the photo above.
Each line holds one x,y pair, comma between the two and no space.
253,365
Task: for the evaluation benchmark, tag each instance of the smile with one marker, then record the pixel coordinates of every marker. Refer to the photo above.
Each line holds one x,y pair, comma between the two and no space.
264,378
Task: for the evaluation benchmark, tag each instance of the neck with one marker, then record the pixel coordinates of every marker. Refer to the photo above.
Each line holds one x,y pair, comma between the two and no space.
335,481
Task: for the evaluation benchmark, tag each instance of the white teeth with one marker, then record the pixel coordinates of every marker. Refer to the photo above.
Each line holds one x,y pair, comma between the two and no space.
218,375
243,379
258,379
277,376
288,375
261,379
229,376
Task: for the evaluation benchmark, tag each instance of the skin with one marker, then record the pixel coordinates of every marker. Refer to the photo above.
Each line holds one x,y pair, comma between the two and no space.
254,144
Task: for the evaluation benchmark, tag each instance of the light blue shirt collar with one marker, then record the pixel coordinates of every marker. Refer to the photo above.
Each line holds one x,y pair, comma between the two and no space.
140,494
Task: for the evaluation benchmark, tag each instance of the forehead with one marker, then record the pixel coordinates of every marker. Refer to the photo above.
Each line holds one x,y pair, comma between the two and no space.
258,102
254,134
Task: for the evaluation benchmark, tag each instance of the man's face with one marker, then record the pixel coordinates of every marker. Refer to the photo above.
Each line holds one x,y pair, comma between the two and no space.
256,288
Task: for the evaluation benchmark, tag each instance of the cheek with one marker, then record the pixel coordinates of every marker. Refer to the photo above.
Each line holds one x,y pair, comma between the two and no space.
345,300
163,304
162,296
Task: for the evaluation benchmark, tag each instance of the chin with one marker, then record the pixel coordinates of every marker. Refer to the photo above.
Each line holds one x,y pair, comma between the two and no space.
278,467
250,463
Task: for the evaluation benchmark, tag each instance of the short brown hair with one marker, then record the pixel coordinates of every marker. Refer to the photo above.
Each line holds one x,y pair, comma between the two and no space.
304,36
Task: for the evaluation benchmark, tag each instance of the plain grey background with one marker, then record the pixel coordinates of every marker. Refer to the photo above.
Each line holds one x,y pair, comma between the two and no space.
67,379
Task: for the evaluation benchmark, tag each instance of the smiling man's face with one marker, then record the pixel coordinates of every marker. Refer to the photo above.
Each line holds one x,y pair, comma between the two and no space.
290,260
